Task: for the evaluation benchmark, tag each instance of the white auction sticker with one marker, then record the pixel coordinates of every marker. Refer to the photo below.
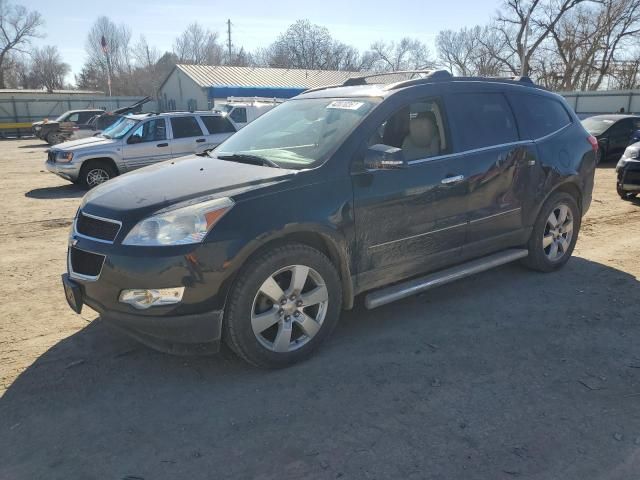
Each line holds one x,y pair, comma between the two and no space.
345,105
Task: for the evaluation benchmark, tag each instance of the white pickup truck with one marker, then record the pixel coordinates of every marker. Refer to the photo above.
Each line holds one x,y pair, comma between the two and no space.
244,110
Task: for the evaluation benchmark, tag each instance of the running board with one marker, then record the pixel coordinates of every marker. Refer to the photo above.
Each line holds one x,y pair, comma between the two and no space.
411,287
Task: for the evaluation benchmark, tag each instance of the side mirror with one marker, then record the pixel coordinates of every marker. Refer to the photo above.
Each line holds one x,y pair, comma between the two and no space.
134,139
384,157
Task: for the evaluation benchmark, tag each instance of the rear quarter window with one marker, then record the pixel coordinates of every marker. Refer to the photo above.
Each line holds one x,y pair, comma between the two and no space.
539,116
482,120
217,124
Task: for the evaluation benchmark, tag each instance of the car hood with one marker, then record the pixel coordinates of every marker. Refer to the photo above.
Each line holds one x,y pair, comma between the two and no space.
86,142
177,181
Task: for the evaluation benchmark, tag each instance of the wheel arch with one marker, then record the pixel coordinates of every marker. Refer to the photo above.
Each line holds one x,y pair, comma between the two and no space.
325,242
108,160
570,187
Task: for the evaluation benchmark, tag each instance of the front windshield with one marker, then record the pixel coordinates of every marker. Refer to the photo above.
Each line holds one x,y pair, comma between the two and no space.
299,133
120,128
596,126
62,117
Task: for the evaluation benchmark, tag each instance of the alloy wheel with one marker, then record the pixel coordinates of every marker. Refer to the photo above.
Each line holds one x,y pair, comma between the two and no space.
558,232
289,308
96,176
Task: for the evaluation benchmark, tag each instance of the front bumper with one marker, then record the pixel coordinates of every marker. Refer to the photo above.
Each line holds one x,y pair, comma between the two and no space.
68,171
629,176
193,334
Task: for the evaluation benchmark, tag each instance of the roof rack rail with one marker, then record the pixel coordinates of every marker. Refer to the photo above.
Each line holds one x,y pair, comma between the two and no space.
400,76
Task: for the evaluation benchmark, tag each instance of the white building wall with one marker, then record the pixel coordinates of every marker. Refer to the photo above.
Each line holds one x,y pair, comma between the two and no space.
180,92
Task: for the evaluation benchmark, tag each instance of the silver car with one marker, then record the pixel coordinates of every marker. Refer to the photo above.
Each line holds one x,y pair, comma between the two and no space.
136,141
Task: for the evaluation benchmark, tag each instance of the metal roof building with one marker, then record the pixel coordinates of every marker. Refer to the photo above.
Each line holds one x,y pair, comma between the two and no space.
191,87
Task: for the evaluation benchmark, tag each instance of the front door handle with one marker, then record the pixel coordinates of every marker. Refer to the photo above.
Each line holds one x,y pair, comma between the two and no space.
452,179
200,140
162,145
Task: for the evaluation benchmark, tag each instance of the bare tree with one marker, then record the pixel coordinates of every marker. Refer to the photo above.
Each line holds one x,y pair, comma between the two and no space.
407,54
472,51
145,55
18,26
524,25
47,68
198,46
620,22
302,45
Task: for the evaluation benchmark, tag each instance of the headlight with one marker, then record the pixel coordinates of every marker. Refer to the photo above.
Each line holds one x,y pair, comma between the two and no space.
632,152
65,157
181,226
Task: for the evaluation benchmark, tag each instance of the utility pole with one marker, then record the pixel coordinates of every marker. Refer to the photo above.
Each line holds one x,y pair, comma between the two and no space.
229,38
523,59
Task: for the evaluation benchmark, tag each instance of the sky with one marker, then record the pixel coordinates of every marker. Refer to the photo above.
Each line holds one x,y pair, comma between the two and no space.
255,23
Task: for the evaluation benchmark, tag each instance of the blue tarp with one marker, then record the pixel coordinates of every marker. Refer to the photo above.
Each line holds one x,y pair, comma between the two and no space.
234,91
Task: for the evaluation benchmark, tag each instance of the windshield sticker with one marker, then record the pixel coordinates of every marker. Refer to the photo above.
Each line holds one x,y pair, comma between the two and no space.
345,105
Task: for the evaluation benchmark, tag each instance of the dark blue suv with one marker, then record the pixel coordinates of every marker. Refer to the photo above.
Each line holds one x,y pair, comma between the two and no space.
371,186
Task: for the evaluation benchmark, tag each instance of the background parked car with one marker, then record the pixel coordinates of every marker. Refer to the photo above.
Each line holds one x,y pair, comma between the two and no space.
135,141
613,132
58,130
628,171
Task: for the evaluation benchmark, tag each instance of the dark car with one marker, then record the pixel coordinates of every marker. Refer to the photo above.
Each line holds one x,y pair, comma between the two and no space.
613,132
58,130
389,189
628,173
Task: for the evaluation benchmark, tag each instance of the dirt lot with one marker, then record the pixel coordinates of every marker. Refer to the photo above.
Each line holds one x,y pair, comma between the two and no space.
510,374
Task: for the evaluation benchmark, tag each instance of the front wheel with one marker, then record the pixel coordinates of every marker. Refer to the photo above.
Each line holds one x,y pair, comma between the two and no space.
554,234
624,195
95,172
284,303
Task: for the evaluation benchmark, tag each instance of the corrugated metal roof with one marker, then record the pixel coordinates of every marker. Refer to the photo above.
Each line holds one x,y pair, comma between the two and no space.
211,76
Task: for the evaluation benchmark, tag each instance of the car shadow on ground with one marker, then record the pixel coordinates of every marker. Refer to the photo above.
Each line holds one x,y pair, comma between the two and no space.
36,145
506,374
62,191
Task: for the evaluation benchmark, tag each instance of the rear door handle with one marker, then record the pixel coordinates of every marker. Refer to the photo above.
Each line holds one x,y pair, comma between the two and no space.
452,179
162,145
200,140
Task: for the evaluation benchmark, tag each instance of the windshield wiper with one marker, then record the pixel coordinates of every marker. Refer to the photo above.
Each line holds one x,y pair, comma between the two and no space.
249,158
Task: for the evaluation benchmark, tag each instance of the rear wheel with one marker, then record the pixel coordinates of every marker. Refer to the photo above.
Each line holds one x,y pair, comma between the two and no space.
554,234
95,172
284,303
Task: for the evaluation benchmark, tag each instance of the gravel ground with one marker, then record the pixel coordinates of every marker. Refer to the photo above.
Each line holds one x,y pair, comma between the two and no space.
509,374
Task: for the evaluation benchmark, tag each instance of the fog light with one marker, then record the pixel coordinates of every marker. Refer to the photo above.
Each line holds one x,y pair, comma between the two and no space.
145,298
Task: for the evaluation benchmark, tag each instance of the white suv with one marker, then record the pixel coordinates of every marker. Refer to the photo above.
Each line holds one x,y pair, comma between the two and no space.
136,141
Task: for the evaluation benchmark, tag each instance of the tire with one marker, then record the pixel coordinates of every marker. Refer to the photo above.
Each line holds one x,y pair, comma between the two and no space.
627,196
275,331
551,247
95,172
53,138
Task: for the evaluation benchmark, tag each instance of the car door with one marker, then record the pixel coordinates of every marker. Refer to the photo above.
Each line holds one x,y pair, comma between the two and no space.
497,163
412,219
187,135
218,128
147,144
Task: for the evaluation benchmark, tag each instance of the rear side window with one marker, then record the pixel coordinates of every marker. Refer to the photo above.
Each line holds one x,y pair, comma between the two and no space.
482,120
184,127
539,116
239,115
217,124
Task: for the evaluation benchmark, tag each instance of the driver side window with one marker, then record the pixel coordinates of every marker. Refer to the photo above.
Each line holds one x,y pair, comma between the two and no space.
151,131
418,129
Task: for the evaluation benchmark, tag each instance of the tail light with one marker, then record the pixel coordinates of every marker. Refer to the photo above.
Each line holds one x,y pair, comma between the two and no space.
594,143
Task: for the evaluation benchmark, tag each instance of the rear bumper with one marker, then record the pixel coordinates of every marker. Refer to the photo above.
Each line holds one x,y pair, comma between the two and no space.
68,171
